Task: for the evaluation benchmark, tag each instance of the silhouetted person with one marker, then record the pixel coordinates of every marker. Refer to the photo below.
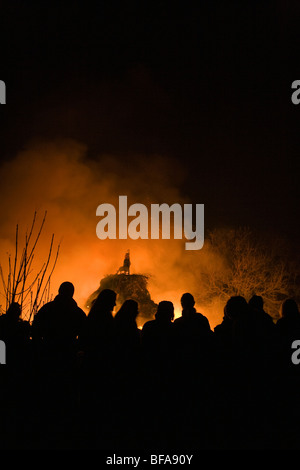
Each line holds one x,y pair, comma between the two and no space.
263,321
257,303
158,343
192,329
190,315
127,335
157,336
193,356
289,322
55,331
12,327
99,329
15,377
126,315
237,310
223,331
233,335
288,327
159,368
262,328
233,366
127,372
98,371
246,328
15,333
193,345
193,339
287,330
59,322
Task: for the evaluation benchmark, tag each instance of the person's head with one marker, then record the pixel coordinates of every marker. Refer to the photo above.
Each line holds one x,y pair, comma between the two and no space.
187,301
14,311
128,311
165,311
256,302
106,300
236,307
66,289
289,309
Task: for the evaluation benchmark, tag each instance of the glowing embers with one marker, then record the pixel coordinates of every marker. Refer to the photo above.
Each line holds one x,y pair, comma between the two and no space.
161,216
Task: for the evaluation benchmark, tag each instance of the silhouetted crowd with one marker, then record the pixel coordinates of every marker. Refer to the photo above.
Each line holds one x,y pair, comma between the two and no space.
81,381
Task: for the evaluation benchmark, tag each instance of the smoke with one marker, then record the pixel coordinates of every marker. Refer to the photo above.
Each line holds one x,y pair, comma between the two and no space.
60,178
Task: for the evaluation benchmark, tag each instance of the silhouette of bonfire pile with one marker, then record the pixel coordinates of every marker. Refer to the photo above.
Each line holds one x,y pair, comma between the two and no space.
128,286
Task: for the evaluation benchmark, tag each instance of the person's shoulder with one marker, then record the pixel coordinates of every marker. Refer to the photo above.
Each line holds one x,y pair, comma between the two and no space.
201,319
267,318
200,316
148,325
219,328
80,312
178,322
46,307
204,316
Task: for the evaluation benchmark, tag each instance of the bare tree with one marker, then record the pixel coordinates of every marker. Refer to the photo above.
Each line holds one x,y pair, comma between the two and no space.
241,264
29,287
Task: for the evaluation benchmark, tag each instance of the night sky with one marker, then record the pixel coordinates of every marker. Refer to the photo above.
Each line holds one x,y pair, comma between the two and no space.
209,87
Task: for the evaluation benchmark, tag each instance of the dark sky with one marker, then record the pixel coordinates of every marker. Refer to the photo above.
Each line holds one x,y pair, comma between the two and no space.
207,86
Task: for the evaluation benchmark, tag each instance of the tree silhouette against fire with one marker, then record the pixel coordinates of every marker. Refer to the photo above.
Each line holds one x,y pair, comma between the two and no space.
128,286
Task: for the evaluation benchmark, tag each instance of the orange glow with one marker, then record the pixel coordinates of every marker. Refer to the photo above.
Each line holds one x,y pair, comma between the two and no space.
58,177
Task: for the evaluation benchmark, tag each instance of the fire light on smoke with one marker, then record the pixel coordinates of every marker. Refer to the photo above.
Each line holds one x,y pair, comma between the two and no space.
59,177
